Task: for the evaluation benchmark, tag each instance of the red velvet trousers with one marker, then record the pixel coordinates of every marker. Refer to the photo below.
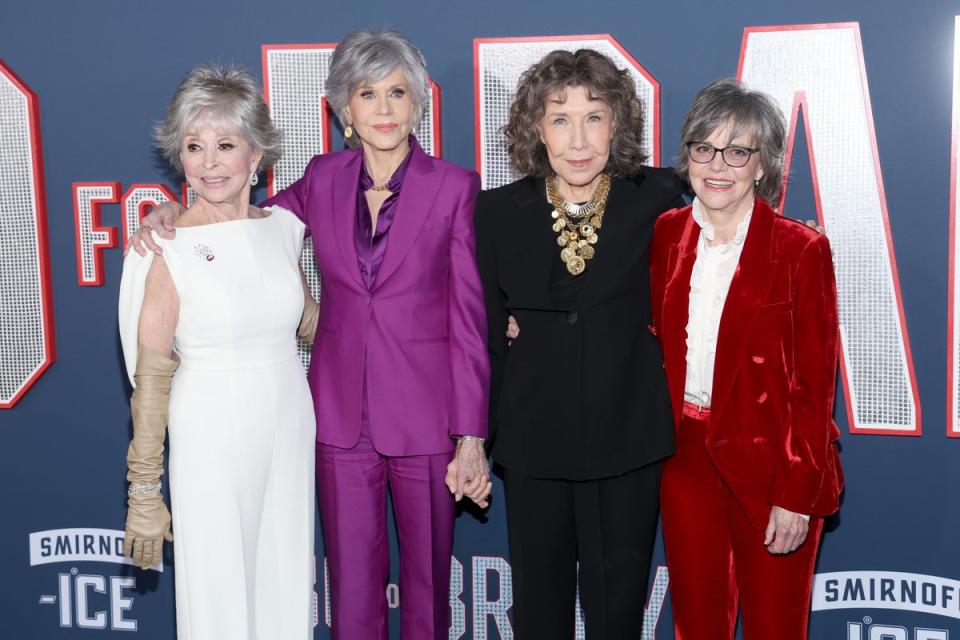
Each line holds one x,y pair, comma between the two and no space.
717,560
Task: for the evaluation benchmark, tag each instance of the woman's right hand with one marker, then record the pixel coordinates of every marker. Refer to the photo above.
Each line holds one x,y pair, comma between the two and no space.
786,531
161,220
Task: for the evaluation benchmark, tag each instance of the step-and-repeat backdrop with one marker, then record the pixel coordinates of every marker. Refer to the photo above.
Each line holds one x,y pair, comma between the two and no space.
872,93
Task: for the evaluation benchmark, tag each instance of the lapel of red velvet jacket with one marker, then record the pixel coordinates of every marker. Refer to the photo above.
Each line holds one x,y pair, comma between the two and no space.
748,291
343,195
420,188
676,303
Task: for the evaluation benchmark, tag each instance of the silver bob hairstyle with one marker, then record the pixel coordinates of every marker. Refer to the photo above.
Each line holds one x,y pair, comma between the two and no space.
226,97
370,56
753,112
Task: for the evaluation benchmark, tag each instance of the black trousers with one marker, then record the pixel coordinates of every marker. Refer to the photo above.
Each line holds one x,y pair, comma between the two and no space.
608,526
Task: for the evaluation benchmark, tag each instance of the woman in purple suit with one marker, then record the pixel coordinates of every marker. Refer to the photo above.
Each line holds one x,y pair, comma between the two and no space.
399,370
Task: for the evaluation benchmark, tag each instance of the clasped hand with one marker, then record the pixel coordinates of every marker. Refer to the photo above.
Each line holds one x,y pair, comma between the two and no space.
468,474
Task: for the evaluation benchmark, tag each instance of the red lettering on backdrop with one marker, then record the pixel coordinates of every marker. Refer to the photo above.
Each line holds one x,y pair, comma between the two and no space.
28,347
953,299
90,234
817,72
497,65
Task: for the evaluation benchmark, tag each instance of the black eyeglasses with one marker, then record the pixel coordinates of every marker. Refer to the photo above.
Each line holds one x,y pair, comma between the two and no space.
734,156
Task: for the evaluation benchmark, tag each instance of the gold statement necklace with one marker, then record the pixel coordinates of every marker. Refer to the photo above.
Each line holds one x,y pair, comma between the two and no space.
578,224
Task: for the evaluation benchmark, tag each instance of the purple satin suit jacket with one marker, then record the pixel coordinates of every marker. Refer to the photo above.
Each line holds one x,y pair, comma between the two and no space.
420,329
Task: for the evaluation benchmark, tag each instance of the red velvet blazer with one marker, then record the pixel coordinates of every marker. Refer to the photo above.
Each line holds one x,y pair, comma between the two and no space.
771,433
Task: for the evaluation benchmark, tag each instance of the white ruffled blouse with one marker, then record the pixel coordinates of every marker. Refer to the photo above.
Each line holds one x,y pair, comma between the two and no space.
712,273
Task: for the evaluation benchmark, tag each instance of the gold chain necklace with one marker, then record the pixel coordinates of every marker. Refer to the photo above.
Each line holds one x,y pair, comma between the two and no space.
578,234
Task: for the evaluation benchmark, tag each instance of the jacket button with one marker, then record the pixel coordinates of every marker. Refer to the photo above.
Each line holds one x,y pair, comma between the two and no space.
572,317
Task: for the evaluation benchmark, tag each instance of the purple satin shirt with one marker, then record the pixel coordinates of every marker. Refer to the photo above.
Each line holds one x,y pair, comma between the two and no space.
372,246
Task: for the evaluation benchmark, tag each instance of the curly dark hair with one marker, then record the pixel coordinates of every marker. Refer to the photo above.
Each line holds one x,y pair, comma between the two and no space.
582,68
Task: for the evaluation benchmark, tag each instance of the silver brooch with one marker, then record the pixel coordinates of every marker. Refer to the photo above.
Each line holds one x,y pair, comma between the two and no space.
203,252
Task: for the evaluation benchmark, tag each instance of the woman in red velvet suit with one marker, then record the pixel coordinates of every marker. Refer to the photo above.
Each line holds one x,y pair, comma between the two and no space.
745,307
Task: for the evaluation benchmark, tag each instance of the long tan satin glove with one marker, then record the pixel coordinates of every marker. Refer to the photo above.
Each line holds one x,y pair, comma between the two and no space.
308,322
148,520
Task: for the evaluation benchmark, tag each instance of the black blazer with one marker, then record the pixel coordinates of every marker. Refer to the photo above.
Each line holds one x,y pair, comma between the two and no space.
581,394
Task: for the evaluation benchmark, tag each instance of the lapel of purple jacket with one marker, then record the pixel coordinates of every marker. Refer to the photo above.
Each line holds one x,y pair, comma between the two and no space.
420,189
343,194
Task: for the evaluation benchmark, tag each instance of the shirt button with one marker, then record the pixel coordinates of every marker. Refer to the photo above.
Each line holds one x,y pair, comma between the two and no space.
572,317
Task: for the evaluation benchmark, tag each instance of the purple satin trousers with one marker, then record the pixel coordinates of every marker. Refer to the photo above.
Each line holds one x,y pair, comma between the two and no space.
352,487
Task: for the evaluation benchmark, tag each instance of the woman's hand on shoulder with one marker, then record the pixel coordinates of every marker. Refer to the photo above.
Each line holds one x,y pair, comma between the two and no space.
161,220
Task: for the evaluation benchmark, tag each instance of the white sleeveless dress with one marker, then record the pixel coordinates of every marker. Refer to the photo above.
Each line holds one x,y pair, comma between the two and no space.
241,428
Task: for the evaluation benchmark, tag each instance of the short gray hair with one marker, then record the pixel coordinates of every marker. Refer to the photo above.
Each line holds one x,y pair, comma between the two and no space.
370,55
729,100
226,96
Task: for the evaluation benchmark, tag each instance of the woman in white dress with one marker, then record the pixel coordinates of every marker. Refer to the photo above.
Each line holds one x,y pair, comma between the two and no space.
209,335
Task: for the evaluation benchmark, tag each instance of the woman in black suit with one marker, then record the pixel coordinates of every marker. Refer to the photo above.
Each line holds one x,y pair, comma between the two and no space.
579,402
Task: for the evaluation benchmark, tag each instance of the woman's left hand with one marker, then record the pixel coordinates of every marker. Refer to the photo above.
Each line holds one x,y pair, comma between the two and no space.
468,474
786,531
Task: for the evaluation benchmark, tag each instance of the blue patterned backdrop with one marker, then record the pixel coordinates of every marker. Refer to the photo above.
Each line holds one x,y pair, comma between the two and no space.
102,72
